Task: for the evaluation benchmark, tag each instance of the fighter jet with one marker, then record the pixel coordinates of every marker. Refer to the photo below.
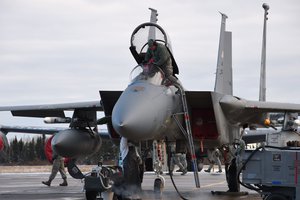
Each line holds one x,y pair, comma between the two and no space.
151,108
148,108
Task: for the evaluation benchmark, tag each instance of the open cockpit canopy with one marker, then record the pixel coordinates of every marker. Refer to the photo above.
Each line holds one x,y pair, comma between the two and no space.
139,41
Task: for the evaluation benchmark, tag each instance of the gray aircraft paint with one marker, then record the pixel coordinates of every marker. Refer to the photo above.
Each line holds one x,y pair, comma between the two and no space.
223,83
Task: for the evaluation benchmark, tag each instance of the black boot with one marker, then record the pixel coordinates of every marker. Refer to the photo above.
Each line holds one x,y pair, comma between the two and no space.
48,183
65,183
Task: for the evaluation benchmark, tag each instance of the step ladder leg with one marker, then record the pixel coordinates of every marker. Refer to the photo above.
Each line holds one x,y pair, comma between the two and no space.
189,135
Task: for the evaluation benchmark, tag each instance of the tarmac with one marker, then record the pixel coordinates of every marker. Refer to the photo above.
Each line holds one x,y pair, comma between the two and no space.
27,186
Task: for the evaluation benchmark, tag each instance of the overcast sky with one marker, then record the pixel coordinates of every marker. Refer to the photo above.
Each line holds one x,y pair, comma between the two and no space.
57,51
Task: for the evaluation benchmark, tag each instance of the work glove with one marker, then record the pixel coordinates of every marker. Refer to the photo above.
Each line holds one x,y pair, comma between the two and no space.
151,61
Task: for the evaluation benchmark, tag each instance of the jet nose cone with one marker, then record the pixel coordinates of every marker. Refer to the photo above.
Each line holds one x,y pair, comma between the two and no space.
139,115
130,123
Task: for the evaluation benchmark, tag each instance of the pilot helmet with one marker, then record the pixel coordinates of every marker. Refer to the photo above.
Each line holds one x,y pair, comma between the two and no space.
150,42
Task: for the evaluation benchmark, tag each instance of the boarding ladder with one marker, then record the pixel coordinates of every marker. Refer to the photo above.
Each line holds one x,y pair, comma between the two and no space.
188,133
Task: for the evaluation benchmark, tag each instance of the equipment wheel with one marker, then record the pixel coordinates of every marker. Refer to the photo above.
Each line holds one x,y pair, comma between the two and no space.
275,197
91,195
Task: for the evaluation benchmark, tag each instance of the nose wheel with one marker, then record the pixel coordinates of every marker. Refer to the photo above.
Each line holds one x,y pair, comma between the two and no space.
159,184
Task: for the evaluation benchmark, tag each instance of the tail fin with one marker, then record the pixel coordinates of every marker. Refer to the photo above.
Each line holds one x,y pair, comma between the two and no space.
154,14
262,84
153,19
223,82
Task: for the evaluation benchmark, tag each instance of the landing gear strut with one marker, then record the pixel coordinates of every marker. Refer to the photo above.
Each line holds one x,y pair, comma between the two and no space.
159,182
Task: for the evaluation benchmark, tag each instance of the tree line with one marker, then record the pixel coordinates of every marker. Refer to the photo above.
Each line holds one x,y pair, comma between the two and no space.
32,152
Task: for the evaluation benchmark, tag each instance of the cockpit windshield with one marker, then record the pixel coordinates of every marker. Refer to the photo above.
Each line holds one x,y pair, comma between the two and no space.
146,31
148,73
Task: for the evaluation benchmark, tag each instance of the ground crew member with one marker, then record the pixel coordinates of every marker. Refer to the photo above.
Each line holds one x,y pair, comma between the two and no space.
213,157
58,165
148,157
178,159
131,168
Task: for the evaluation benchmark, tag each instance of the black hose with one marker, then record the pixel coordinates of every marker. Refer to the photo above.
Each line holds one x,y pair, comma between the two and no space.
243,166
170,173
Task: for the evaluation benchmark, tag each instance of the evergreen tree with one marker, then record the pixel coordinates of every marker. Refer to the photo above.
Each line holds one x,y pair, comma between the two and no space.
31,151
21,150
14,150
109,152
39,149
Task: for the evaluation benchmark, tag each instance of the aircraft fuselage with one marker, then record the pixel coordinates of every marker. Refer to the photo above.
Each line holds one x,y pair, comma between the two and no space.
144,110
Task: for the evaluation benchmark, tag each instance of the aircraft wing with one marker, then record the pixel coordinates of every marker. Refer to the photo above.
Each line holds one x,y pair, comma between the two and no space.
240,111
272,106
30,129
258,106
51,110
42,130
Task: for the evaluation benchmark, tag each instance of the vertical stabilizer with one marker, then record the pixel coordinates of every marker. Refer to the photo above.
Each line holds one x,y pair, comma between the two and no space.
223,82
153,19
262,83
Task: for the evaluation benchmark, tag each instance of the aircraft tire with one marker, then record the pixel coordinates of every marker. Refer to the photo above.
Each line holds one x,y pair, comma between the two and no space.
275,197
91,195
158,185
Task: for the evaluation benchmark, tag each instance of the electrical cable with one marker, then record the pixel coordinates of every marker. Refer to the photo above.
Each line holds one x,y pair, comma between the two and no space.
171,176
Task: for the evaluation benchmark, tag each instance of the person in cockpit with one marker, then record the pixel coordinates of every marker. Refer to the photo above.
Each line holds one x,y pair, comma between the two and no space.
158,54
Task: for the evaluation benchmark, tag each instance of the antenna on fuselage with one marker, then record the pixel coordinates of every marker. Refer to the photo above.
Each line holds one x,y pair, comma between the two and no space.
262,84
